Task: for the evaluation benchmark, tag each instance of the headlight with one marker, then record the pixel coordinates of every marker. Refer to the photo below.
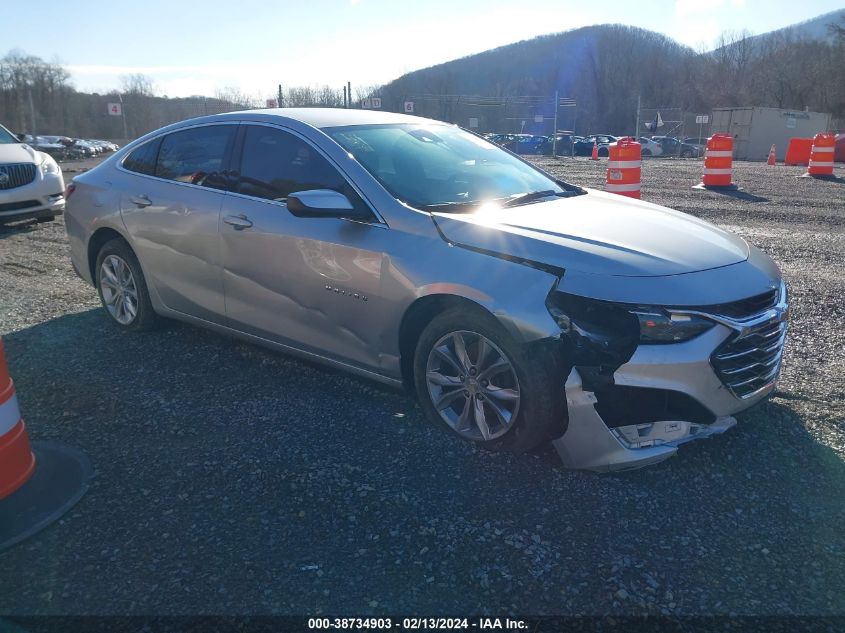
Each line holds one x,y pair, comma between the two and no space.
49,166
597,333
659,326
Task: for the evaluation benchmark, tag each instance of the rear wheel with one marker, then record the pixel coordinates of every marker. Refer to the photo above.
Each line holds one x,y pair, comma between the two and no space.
122,287
473,377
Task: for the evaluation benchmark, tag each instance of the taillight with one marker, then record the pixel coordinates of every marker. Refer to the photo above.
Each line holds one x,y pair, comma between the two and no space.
69,190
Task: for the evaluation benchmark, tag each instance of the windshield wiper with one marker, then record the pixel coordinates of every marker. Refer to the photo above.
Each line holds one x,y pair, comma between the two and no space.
458,205
525,198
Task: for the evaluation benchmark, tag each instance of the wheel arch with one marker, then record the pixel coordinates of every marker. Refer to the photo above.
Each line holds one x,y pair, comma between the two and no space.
99,239
417,316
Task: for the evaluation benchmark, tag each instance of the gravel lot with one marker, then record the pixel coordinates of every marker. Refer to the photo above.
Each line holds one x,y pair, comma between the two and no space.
233,480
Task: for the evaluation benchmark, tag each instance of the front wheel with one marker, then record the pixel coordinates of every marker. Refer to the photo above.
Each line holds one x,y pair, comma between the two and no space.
122,287
473,377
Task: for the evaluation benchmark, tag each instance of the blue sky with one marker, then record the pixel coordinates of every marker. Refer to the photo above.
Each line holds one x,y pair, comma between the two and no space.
198,47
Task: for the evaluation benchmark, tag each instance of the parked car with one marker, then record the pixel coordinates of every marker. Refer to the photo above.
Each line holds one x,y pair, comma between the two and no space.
564,146
649,147
519,308
674,147
105,146
82,149
48,145
508,141
31,183
839,149
531,144
584,147
699,143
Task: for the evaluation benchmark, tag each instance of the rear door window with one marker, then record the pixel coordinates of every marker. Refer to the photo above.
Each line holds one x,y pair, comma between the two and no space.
275,163
197,156
142,160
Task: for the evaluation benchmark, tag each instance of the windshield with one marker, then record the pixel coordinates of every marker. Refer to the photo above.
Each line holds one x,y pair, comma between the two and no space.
6,137
433,166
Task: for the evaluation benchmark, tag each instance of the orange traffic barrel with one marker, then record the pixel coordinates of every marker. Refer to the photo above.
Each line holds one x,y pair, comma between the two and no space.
718,162
798,151
623,167
17,463
32,498
821,156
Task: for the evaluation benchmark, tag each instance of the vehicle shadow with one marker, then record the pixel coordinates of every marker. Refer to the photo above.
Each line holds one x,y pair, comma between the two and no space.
739,194
16,227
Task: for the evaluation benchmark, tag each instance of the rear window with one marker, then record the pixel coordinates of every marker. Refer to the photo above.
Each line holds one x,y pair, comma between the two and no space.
196,155
142,160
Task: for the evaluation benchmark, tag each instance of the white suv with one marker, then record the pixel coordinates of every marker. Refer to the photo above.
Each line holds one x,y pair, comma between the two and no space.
31,182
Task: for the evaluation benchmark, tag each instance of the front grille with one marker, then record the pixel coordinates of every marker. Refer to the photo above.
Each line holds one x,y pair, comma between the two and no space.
15,206
750,361
744,308
16,175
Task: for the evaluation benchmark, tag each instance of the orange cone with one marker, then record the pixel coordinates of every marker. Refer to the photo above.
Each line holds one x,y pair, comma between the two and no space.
31,498
17,463
772,158
595,154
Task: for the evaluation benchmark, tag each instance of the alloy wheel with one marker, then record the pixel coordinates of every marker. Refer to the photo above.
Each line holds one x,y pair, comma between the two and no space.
472,385
117,285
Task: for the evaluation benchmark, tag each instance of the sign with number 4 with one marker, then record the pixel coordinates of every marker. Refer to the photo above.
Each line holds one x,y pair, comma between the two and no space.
115,109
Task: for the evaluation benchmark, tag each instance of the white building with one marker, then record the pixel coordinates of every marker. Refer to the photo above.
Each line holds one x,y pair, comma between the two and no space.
755,129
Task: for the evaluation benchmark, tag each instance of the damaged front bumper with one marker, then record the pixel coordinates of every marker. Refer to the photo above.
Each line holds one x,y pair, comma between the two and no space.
665,395
589,444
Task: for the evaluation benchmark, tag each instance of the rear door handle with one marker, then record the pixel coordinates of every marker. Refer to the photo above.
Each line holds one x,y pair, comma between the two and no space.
142,200
239,222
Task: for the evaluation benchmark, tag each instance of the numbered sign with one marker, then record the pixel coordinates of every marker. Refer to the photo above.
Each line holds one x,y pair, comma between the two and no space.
272,103
116,109
376,102
409,107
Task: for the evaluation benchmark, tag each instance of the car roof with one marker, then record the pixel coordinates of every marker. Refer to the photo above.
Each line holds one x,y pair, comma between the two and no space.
331,117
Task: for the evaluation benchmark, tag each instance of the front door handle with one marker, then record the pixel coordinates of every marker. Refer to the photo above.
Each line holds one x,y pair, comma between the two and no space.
141,200
239,222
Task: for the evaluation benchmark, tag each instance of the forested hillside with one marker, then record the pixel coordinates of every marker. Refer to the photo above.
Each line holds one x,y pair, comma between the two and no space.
604,68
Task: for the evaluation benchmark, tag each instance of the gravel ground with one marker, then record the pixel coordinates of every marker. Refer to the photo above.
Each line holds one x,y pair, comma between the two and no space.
233,480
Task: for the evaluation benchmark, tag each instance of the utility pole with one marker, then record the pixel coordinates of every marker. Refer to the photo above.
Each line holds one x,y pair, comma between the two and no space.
345,103
554,131
31,111
280,96
349,92
639,103
123,116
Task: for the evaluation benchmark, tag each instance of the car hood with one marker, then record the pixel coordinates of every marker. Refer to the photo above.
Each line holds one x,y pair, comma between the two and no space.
18,153
597,233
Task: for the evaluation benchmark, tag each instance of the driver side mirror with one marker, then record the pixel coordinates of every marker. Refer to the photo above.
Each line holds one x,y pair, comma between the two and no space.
325,203
21,137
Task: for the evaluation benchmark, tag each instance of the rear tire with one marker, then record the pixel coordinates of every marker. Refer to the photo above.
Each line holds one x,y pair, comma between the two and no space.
122,287
488,389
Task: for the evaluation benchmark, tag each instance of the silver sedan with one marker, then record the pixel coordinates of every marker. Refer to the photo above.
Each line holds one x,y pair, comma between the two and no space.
520,309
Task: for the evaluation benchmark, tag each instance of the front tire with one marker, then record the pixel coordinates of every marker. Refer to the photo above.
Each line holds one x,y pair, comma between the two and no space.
472,377
122,287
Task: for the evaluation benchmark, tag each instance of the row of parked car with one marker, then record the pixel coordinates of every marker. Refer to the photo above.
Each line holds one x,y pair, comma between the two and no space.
569,144
66,148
